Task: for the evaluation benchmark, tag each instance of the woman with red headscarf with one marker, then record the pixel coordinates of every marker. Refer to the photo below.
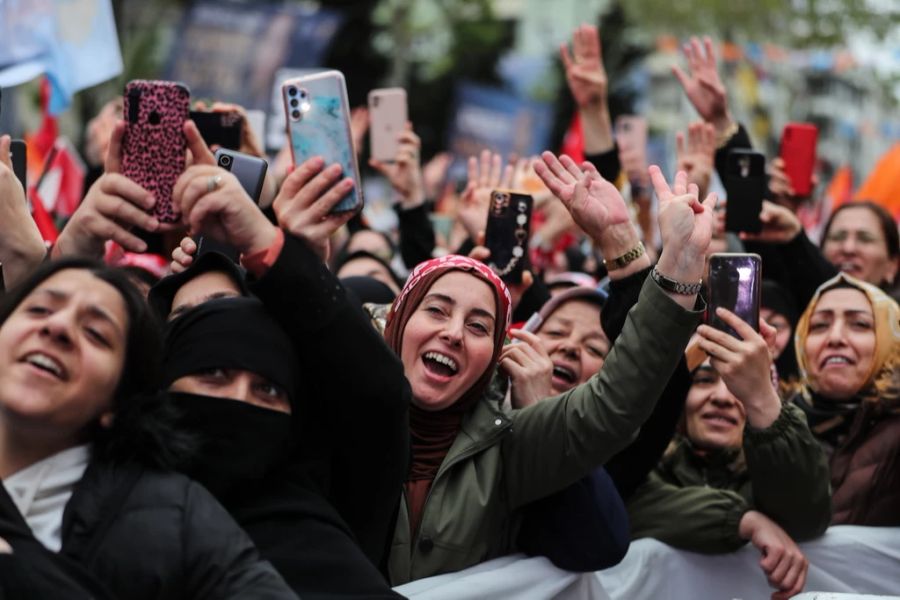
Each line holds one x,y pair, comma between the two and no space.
473,463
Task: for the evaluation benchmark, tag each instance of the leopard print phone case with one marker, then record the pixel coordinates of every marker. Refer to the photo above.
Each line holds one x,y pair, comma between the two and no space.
154,146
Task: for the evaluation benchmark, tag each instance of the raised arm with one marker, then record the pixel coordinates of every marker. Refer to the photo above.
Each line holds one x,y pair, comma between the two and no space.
561,439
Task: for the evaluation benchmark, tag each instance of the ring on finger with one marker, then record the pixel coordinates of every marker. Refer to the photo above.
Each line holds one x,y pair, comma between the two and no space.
213,183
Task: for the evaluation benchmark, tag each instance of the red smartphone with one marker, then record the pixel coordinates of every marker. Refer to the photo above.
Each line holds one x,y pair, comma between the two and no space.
798,151
154,147
734,283
507,234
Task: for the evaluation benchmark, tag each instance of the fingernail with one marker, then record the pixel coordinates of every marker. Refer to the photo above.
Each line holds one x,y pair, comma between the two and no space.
347,183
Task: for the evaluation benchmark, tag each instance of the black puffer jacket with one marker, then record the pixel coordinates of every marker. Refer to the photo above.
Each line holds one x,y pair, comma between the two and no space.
158,535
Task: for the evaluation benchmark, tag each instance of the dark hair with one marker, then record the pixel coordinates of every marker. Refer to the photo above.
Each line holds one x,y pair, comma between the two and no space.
142,428
888,225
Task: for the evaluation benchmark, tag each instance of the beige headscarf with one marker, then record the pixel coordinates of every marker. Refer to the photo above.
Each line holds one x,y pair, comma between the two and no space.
881,385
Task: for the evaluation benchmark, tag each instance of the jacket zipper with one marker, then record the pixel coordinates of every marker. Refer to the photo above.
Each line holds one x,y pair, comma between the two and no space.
487,442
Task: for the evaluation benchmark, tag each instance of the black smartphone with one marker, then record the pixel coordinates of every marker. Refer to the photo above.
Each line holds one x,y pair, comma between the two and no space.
219,128
746,186
249,170
18,155
507,234
251,173
734,283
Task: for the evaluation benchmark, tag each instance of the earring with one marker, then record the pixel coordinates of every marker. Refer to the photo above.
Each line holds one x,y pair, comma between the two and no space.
106,420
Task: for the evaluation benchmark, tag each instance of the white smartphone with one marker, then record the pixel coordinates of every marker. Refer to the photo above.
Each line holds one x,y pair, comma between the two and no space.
387,118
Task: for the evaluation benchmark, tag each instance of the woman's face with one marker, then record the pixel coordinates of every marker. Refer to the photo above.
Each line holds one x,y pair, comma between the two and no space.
576,343
62,351
235,384
449,340
714,417
855,244
783,329
840,345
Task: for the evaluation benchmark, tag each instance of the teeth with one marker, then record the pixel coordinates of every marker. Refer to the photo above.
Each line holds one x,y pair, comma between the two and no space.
837,360
444,360
45,362
564,372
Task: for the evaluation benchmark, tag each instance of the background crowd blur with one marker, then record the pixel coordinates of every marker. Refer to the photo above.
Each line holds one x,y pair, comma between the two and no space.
483,73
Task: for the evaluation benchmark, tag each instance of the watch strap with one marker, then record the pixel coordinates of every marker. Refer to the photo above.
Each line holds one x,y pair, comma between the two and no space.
675,286
623,261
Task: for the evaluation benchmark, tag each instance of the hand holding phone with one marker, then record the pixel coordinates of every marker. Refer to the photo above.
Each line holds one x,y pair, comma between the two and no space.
798,151
318,119
387,120
507,234
154,146
745,182
734,283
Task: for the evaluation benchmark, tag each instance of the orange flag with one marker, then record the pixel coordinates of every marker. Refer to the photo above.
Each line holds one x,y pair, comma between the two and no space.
883,183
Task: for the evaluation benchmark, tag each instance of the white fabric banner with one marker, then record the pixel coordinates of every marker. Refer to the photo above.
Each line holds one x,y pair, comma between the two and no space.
847,560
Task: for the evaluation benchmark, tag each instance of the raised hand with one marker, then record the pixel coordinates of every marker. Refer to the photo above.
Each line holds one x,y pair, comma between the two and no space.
303,206
593,202
703,86
695,154
112,207
685,226
584,71
588,84
21,246
212,201
485,175
405,173
779,225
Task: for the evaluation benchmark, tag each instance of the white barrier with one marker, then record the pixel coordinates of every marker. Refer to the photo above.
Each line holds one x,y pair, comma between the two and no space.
844,563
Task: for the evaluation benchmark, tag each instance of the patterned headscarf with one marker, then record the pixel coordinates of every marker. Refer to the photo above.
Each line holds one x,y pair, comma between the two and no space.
879,385
416,288
433,432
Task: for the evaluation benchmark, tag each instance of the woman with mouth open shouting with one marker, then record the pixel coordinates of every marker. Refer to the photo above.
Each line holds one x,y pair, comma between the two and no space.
473,463
745,467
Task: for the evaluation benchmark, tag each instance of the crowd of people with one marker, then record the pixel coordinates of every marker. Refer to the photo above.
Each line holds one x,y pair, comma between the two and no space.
309,423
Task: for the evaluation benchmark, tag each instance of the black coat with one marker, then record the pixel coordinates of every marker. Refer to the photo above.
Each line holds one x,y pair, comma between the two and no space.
150,535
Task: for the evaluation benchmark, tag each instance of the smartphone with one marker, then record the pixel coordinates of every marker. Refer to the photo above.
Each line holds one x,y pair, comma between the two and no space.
221,129
798,151
249,170
734,283
746,186
387,118
18,155
318,119
507,233
154,147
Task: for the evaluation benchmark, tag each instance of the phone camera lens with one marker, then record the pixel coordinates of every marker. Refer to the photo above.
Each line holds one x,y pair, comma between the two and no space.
225,161
292,91
294,103
295,114
303,94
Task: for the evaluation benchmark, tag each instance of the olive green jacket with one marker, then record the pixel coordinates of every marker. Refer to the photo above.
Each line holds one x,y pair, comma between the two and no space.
696,502
503,460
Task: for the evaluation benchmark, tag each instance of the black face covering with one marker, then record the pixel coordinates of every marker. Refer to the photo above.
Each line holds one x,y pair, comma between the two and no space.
239,444
229,333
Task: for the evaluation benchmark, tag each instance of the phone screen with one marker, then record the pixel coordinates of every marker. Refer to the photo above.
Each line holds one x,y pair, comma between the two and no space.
734,283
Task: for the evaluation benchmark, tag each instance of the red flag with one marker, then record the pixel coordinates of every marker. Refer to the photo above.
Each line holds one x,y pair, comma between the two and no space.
41,217
41,141
62,183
